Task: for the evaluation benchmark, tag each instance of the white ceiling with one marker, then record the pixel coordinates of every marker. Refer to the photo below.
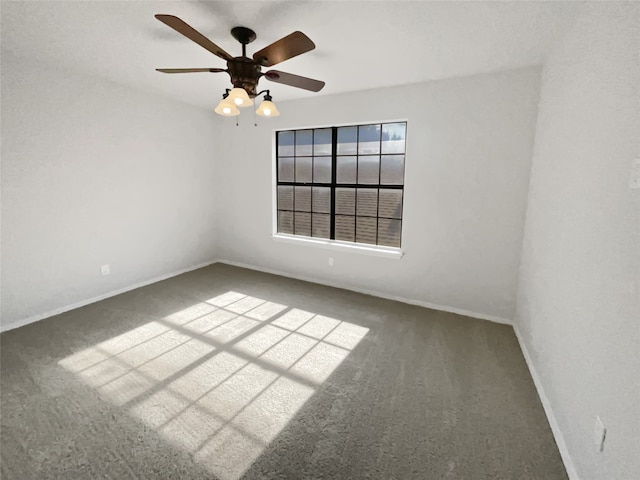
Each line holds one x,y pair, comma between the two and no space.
359,45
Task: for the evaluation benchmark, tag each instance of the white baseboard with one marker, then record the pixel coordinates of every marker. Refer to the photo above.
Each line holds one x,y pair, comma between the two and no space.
546,404
73,306
420,303
397,298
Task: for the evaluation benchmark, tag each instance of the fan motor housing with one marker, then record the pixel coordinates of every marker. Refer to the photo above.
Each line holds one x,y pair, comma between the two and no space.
244,73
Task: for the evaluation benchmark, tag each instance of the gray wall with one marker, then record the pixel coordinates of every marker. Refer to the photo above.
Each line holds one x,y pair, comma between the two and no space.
94,173
469,146
579,302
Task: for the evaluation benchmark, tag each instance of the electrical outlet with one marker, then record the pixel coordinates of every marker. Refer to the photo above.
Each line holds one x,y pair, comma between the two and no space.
105,270
599,434
331,262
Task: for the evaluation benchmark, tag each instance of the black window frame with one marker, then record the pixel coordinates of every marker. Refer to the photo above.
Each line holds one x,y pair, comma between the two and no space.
333,184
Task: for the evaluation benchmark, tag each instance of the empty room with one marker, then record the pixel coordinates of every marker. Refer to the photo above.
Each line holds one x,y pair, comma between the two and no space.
320,239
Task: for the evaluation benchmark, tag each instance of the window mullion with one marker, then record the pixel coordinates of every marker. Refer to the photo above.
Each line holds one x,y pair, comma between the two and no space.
379,183
334,176
355,190
295,164
313,136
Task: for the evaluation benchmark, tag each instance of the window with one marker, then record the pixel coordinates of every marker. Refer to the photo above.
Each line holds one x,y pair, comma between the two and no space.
342,183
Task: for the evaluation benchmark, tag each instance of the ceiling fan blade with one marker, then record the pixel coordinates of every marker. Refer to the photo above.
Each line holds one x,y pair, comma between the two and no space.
294,80
189,70
284,49
192,34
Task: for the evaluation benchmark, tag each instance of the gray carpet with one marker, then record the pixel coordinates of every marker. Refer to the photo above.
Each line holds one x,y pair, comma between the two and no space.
225,373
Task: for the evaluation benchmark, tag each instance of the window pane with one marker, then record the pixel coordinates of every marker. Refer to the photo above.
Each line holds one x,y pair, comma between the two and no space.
302,224
303,169
393,137
321,225
304,139
321,199
285,222
345,228
285,169
285,144
369,139
389,232
345,201
366,229
322,141
346,170
368,168
367,202
285,198
347,140
303,199
322,169
392,170
390,205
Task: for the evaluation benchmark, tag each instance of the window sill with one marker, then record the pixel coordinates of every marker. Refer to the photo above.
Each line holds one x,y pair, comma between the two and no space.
375,250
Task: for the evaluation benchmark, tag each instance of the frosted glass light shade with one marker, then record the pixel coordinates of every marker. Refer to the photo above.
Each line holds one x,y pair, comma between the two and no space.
227,108
267,109
240,97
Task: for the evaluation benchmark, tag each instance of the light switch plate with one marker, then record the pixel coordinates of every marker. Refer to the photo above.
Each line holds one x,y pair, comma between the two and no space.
105,270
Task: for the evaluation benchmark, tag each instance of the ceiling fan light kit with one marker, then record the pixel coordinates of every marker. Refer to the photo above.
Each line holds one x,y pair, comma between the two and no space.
240,97
227,108
245,72
267,108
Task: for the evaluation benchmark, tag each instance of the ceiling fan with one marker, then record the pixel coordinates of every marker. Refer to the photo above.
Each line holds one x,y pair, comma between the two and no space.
245,72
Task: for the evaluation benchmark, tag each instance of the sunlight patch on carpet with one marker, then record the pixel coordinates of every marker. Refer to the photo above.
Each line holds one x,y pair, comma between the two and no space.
221,378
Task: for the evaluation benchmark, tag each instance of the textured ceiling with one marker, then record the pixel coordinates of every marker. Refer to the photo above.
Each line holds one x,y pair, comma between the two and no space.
360,45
